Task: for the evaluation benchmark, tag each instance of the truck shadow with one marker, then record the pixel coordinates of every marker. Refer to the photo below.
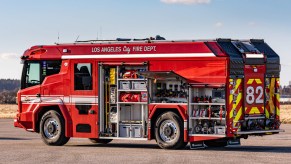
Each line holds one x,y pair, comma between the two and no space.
120,145
12,138
261,149
269,149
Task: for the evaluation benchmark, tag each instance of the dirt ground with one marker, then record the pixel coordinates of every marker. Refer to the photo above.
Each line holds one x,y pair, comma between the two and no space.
285,113
9,111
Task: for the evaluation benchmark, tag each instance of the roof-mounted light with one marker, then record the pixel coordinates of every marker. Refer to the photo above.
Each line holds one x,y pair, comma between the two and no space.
65,50
254,55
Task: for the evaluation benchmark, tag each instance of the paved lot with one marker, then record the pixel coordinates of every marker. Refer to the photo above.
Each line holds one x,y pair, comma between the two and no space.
19,146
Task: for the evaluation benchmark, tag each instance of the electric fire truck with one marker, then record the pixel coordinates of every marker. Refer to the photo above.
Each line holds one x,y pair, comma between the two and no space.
206,92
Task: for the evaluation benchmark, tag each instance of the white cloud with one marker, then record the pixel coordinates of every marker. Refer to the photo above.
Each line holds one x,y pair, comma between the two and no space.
6,56
186,2
252,23
218,24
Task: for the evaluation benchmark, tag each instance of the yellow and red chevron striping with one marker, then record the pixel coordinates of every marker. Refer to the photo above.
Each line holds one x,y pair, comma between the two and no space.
235,104
277,99
270,107
254,110
230,109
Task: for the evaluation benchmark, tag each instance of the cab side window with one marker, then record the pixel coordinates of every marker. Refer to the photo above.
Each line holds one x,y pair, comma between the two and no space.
83,76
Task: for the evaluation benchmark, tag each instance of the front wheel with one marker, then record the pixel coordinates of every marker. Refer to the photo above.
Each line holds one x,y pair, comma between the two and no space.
52,129
169,131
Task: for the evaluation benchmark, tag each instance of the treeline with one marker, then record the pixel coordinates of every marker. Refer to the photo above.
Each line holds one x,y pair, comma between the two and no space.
8,90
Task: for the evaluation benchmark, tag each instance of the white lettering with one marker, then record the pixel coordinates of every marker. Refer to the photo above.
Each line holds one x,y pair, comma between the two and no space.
149,48
95,49
111,49
137,48
126,49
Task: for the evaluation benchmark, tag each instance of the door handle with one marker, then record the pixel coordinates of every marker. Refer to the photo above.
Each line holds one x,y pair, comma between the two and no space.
38,95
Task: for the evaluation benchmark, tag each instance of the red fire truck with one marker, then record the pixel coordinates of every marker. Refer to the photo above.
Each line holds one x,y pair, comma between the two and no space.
206,92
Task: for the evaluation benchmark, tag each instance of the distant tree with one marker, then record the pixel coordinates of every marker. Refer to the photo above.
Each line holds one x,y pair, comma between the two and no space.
9,84
8,90
8,97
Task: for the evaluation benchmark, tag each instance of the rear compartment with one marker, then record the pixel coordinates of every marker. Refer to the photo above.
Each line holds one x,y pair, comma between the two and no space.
253,89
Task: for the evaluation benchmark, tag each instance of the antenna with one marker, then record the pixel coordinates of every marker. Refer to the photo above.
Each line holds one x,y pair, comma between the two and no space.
100,32
58,37
77,38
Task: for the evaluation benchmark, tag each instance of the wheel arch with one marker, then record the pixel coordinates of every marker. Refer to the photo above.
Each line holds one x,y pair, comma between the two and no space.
158,112
61,109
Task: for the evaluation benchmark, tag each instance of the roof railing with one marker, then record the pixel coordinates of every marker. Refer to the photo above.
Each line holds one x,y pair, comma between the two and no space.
157,39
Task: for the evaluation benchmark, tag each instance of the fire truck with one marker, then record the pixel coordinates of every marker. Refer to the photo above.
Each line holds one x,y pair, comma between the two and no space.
202,92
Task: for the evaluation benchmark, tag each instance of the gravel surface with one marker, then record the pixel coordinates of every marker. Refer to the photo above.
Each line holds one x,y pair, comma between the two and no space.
19,146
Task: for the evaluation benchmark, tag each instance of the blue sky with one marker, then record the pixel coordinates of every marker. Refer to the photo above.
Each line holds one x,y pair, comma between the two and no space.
32,22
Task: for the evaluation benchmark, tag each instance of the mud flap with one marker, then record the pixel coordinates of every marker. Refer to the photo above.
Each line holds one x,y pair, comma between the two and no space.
197,145
233,142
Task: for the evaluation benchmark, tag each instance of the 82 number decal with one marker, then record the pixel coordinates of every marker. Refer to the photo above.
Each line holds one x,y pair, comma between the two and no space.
250,97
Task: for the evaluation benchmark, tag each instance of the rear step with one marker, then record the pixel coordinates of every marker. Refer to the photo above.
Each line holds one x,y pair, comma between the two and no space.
259,131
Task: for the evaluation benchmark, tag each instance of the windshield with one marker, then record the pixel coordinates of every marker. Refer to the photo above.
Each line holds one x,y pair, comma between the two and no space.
31,74
34,72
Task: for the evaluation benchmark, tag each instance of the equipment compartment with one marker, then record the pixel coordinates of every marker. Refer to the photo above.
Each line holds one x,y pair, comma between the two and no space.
207,110
123,108
167,87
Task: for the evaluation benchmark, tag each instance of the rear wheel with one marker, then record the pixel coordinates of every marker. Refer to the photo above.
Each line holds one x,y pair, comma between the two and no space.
101,141
169,131
52,129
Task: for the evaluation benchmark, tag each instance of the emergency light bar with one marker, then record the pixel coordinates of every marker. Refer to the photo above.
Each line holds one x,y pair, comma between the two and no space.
254,55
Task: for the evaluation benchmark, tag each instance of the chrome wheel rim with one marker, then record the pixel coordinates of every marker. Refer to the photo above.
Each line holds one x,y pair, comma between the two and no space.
51,128
168,131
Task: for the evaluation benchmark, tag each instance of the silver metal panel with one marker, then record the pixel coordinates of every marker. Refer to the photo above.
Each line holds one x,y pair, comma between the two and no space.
124,131
136,131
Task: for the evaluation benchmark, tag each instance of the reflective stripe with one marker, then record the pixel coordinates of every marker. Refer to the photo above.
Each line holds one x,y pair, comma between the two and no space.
185,125
172,55
59,99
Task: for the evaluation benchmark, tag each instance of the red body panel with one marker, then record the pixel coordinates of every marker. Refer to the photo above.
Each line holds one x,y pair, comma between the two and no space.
197,70
254,89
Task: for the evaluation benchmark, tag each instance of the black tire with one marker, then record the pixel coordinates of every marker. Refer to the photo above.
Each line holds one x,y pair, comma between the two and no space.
100,141
52,129
169,131
215,143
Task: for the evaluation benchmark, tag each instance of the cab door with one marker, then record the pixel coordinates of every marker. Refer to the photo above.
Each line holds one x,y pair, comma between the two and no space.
83,99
